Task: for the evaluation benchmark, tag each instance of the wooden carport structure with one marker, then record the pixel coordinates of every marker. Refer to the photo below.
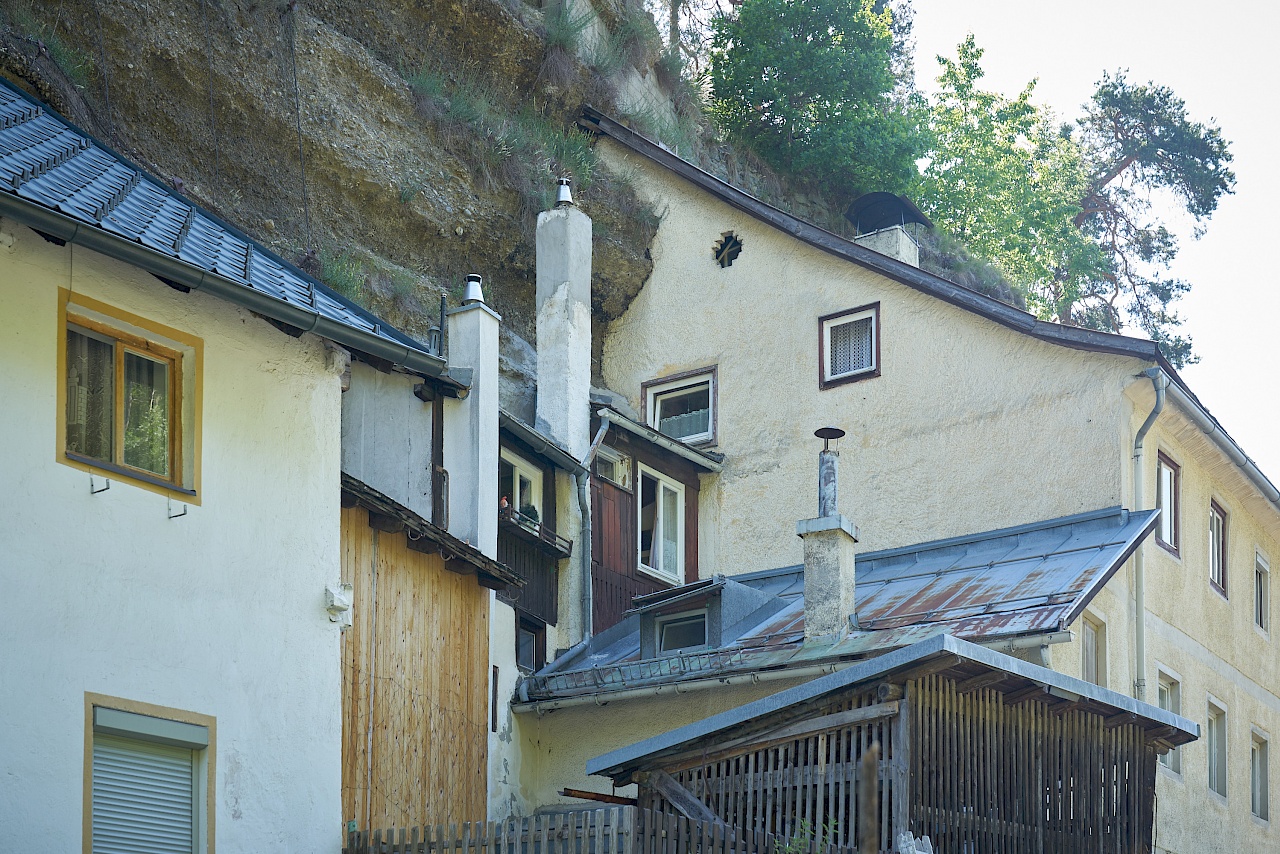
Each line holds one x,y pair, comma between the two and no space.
978,751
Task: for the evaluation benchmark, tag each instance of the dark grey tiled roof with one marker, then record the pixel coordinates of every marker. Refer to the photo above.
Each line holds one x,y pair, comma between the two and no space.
46,161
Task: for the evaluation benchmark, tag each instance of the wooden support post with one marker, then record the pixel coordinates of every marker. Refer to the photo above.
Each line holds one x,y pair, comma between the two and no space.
689,805
869,801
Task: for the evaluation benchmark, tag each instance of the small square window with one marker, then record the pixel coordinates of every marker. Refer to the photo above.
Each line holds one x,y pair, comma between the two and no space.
1093,636
1167,485
1258,772
1218,547
849,345
1261,592
531,644
613,466
682,631
1216,742
1169,698
127,397
684,407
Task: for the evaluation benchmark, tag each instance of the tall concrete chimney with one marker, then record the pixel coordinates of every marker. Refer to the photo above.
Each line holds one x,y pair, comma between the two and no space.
563,246
829,578
471,424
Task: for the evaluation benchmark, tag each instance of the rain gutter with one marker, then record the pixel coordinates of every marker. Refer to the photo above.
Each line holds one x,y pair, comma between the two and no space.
66,228
665,442
524,704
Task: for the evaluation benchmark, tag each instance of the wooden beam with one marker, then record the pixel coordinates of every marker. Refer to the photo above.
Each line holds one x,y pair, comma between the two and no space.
1034,692
486,580
790,732
389,524
982,680
349,500
688,804
887,691
598,796
928,668
1119,719
461,567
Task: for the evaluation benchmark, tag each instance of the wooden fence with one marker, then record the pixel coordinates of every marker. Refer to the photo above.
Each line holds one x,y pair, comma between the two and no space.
615,830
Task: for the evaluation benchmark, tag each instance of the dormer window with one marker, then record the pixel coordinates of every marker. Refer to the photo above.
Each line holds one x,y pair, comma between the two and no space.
683,407
681,631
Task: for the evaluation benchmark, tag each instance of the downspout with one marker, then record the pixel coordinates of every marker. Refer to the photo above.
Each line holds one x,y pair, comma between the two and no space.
580,481
1159,382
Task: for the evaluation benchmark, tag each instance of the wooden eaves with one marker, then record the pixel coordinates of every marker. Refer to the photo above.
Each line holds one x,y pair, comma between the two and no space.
386,514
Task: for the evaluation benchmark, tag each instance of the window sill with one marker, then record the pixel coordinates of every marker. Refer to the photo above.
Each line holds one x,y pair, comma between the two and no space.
1221,591
1172,550
1176,776
127,474
1262,633
1219,801
1258,821
849,378
655,575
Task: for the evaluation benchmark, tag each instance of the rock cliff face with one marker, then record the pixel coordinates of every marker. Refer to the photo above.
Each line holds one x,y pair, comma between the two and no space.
297,122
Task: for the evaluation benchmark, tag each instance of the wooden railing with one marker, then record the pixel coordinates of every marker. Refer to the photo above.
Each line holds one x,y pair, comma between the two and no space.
533,531
615,830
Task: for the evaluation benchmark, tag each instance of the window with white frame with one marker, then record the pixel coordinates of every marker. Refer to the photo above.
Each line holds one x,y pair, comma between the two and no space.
520,485
661,525
684,407
613,466
1258,771
1169,698
681,631
1261,591
1215,736
1167,477
148,766
1093,637
1218,547
849,345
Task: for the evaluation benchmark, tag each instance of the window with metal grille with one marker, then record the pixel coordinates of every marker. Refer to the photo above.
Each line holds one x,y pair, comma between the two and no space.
849,345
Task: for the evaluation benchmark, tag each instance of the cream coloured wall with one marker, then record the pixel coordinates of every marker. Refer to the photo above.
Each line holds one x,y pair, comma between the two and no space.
962,402
218,612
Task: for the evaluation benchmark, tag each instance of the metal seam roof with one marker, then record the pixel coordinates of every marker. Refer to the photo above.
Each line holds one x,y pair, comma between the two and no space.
624,758
1011,582
57,179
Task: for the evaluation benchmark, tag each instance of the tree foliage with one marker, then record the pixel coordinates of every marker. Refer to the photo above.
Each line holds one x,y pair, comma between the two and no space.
810,85
1066,210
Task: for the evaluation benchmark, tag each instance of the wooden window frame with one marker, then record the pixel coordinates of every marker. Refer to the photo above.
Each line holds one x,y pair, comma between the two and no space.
828,320
538,629
208,761
1164,461
651,390
641,470
184,355
1222,548
535,474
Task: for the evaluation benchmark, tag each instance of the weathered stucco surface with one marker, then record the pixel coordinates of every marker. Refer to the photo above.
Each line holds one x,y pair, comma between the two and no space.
218,612
962,402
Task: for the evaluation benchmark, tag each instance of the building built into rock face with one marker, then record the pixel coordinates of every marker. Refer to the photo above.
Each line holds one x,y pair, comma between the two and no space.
967,423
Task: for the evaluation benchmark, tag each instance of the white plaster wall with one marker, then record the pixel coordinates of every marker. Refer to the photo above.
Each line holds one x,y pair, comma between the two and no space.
386,436
962,404
220,612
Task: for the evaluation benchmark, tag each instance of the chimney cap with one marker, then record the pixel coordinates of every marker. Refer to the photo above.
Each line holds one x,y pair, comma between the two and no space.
829,433
564,197
474,292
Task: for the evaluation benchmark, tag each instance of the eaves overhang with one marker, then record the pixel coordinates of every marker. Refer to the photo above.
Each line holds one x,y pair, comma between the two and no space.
539,443
700,459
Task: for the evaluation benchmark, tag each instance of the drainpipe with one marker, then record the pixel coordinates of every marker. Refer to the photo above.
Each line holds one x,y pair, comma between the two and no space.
1159,382
580,481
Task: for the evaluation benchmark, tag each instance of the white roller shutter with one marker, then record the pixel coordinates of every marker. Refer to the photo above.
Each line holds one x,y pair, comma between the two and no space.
143,797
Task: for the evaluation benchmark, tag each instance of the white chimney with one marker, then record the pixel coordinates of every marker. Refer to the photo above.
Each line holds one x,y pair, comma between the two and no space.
829,577
894,242
471,424
563,247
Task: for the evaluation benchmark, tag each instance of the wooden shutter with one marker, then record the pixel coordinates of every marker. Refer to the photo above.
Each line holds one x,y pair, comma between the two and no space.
143,797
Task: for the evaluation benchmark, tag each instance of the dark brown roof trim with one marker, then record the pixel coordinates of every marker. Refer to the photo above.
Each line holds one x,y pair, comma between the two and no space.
913,277
489,572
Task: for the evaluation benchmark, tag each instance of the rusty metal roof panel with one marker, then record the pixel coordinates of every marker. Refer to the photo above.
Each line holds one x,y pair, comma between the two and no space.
1028,580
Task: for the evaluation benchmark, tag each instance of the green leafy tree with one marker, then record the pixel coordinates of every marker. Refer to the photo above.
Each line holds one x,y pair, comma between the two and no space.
810,85
1067,215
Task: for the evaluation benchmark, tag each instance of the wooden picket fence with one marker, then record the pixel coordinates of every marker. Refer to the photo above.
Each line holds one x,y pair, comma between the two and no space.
614,830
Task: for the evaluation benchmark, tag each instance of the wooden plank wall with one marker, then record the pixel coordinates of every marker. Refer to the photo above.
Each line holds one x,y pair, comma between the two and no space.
415,667
804,789
997,777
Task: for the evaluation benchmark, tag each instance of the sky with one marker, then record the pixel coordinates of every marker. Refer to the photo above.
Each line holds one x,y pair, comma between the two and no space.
1219,58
